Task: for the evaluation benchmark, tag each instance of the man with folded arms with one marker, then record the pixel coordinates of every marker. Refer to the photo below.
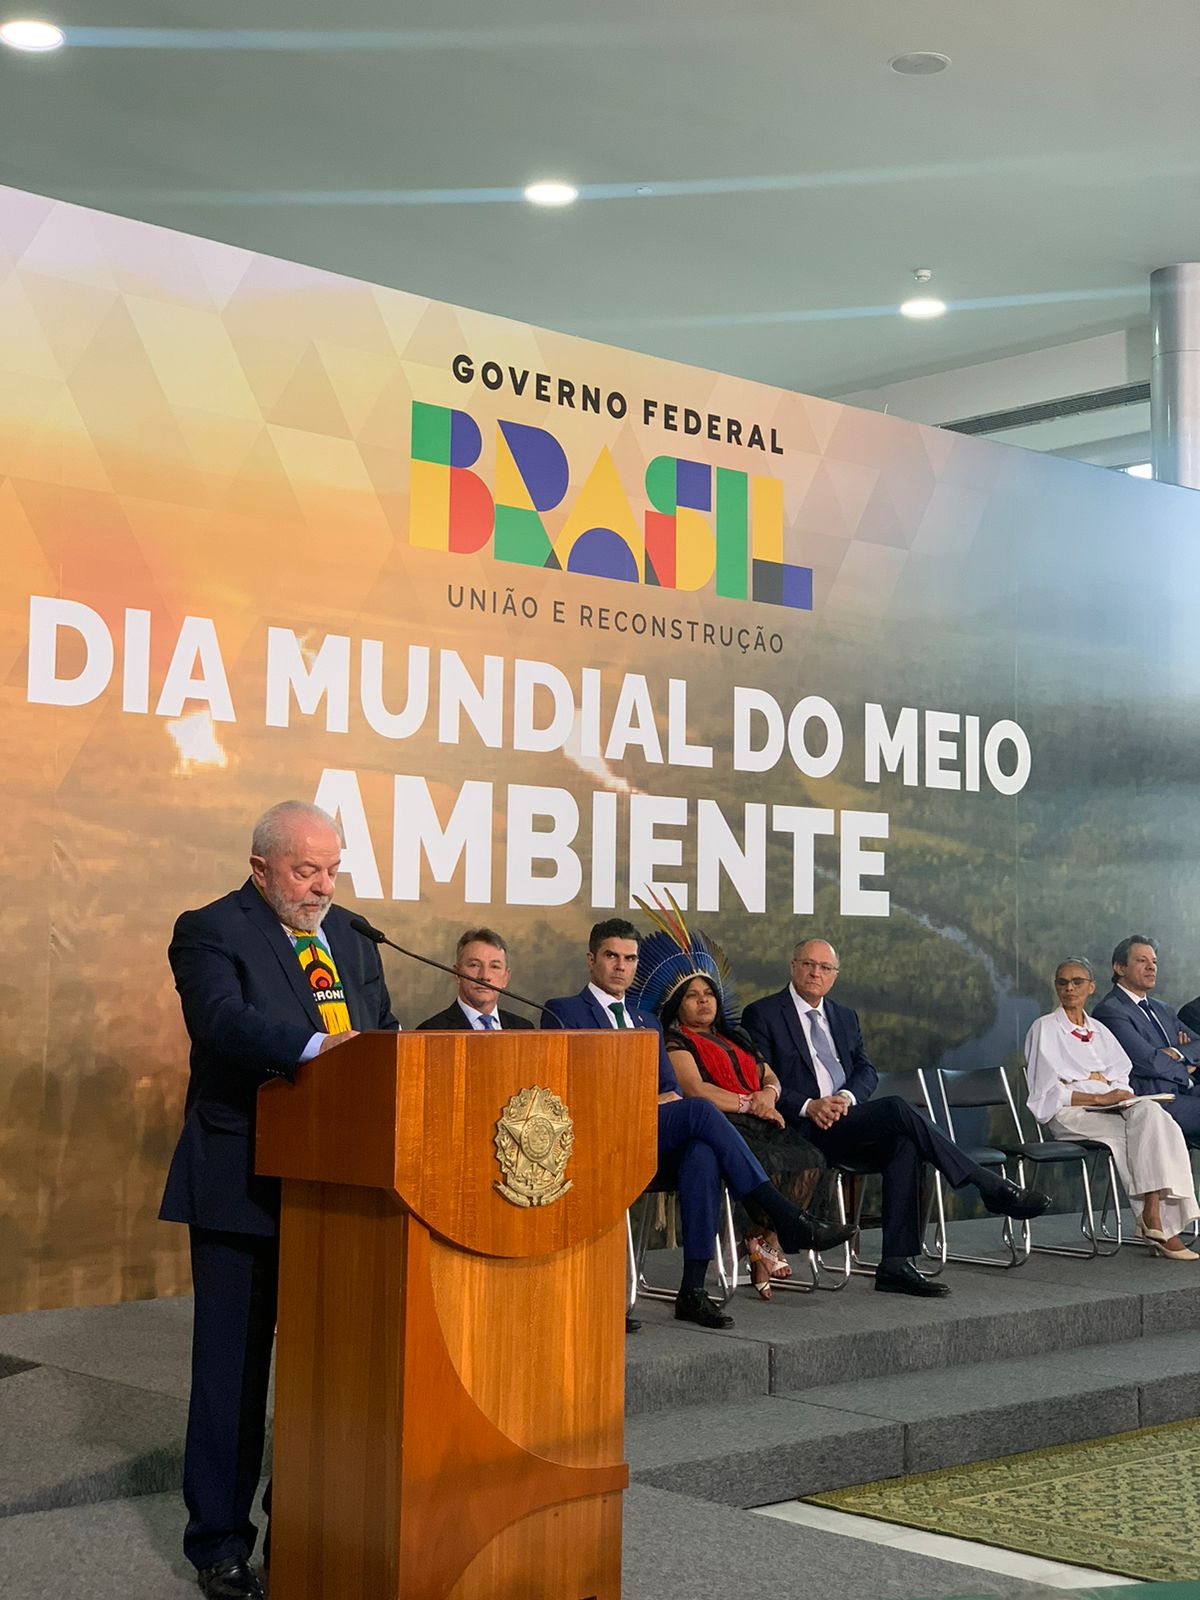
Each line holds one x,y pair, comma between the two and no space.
816,1048
697,1147
481,960
1162,1054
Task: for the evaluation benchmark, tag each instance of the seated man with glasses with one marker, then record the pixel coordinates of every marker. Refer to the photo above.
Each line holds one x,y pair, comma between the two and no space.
816,1047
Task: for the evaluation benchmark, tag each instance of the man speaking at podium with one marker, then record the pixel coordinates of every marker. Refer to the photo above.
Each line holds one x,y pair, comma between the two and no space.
269,977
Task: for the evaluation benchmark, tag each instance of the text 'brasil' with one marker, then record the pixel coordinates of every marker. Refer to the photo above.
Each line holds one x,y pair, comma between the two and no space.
703,525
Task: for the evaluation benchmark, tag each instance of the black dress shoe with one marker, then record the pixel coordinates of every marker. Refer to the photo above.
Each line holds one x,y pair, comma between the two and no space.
230,1580
693,1305
631,1324
907,1280
803,1232
1010,1200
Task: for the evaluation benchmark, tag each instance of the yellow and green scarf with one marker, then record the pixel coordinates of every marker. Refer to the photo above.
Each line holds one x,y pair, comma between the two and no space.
321,975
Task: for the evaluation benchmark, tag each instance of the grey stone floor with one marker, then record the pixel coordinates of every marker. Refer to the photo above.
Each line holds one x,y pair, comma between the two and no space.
804,1393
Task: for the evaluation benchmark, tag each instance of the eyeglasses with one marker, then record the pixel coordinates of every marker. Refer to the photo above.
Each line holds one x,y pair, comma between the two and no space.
818,966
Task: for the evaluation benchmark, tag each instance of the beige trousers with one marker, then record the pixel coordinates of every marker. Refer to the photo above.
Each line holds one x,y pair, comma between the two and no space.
1149,1150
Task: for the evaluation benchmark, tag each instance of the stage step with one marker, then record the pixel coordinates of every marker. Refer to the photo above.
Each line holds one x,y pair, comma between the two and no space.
800,1342
799,1442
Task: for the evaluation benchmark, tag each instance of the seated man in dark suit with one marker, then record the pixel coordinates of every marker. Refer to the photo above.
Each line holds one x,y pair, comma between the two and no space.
480,954
1162,1054
269,977
697,1147
816,1048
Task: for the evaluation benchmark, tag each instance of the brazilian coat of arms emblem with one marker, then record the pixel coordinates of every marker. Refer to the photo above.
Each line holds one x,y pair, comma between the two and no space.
534,1139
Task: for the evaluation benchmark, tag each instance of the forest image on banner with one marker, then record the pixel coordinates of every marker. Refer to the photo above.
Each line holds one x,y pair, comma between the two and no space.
548,624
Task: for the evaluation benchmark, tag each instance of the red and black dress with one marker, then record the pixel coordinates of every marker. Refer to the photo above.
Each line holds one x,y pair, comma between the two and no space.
728,1065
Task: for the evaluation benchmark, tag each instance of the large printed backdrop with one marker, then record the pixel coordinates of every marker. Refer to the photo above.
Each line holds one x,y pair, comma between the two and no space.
268,532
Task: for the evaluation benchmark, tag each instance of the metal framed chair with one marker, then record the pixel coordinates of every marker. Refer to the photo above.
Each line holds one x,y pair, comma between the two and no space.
913,1088
725,1258
1089,1155
1086,1156
631,1271
985,1088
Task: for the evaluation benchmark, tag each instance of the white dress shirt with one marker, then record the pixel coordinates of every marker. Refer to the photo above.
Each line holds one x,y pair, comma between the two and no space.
473,1017
824,1081
1060,1063
605,1000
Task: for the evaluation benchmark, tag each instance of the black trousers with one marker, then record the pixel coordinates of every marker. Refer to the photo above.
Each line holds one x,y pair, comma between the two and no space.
892,1138
236,1280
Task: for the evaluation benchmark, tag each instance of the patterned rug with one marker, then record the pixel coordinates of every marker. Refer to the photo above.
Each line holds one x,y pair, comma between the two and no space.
1126,1505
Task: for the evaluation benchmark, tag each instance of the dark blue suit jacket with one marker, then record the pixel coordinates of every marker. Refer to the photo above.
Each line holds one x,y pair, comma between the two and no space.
775,1028
1152,1071
582,1010
250,1015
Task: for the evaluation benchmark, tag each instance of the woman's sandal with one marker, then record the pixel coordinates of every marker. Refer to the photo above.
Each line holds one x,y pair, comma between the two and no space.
761,1286
762,1253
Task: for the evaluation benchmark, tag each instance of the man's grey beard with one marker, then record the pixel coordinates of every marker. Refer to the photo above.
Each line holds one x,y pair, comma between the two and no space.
290,914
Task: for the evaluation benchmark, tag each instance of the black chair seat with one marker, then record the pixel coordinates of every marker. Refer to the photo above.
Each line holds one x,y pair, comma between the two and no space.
987,1155
1058,1150
855,1169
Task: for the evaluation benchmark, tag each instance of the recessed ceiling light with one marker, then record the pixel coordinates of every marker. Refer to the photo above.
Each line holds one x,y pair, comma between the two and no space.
551,193
919,63
26,33
923,307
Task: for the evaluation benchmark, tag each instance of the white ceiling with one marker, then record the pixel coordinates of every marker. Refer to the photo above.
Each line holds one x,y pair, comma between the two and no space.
795,181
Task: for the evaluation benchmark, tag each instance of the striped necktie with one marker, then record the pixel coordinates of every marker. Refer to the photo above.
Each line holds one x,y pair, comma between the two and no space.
823,1045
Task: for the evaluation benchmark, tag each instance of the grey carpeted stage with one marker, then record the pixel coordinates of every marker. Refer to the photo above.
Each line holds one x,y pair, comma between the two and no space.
808,1392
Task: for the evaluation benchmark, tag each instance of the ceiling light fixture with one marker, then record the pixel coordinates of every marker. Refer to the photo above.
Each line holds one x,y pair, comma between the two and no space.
29,34
919,63
551,193
923,306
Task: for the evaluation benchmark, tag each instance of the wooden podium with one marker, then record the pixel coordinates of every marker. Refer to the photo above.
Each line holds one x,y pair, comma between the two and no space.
449,1399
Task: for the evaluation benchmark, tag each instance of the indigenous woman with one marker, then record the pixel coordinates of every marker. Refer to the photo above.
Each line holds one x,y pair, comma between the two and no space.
1073,1064
685,979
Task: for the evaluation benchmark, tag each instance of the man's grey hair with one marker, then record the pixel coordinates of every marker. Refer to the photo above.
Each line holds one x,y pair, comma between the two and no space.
272,831
1120,956
816,938
480,936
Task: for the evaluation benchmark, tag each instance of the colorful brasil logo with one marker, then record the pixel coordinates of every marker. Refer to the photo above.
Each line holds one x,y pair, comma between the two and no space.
704,525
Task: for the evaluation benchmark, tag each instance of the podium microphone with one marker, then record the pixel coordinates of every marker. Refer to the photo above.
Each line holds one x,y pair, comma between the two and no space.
377,936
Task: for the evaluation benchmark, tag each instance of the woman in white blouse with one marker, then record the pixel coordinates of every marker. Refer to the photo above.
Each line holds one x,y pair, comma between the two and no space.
1073,1062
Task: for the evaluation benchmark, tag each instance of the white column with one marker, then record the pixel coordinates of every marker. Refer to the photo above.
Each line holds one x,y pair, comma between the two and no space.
1175,373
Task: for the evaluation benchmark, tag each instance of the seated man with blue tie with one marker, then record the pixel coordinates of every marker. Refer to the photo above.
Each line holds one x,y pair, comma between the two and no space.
481,960
816,1048
1162,1054
697,1147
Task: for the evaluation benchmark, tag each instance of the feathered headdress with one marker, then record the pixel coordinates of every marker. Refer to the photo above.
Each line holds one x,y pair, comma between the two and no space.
673,956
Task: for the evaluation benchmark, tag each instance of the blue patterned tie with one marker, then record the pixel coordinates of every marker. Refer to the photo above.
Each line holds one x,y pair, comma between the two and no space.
823,1045
487,1020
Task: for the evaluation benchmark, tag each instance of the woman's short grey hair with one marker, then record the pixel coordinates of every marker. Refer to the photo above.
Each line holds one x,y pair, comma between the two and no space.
272,831
1075,961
